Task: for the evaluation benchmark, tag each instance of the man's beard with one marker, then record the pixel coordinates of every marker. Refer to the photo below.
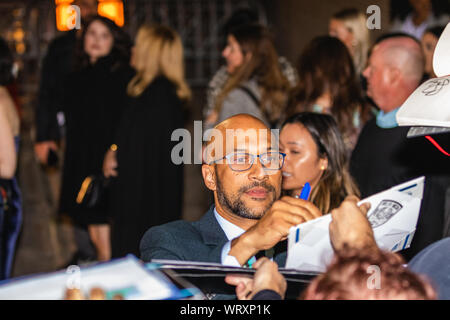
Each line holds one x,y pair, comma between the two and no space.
235,204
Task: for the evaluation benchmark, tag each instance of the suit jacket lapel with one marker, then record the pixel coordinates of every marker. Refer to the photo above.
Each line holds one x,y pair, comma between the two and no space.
213,234
210,229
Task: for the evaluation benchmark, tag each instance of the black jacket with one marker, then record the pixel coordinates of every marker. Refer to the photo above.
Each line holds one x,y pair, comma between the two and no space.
56,65
94,98
149,188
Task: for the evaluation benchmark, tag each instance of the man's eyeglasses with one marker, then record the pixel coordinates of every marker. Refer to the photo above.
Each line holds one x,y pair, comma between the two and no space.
243,161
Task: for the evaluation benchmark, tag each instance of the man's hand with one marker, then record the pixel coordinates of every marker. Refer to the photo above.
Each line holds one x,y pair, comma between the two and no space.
267,277
42,149
273,227
349,226
110,164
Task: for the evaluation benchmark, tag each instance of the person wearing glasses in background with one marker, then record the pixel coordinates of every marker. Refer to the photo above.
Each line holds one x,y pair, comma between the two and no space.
248,216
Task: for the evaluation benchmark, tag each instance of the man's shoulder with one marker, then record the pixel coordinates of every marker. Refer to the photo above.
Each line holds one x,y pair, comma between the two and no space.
168,241
372,131
65,41
183,240
172,230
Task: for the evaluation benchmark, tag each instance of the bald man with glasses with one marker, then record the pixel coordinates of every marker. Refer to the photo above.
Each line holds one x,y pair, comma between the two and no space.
248,219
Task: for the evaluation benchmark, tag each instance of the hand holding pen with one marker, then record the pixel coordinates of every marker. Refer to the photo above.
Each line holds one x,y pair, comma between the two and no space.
304,195
274,226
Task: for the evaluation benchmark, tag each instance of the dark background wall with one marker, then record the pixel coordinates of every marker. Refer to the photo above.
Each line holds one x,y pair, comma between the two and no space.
295,22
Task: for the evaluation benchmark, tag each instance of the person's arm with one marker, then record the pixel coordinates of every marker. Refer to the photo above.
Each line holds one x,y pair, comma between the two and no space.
8,158
47,130
267,282
349,226
273,227
110,162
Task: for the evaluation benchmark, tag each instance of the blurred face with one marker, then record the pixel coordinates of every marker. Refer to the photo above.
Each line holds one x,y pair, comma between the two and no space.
233,54
429,42
337,29
421,6
98,41
247,194
378,80
302,163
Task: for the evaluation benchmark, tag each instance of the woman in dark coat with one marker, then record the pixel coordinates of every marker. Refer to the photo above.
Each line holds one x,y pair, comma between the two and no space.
94,98
148,188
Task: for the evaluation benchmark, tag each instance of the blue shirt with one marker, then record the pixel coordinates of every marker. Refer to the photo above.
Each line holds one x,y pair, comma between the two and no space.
387,120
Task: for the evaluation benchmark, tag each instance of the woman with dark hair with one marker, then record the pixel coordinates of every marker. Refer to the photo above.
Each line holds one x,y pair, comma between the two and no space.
94,97
315,153
10,200
328,84
429,41
240,17
257,85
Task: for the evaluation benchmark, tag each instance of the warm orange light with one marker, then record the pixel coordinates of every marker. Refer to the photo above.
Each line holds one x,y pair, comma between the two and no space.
66,17
63,1
112,9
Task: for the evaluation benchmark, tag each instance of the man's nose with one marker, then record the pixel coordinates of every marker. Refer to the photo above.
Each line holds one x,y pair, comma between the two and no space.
366,73
257,171
225,52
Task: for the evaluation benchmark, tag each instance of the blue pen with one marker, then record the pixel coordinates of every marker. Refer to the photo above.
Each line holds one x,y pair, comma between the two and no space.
305,192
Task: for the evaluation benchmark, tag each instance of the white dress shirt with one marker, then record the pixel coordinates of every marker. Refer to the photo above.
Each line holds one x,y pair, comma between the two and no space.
231,231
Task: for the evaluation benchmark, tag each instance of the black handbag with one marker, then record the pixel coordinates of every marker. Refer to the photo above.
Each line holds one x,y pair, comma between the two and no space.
92,191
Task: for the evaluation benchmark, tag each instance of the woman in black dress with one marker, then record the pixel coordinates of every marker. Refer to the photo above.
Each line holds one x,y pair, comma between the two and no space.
94,96
148,188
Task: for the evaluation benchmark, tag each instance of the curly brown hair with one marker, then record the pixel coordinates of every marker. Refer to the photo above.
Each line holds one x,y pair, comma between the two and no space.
350,275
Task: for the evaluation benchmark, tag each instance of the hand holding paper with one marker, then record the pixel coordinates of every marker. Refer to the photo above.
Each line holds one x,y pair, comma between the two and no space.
273,227
349,225
393,217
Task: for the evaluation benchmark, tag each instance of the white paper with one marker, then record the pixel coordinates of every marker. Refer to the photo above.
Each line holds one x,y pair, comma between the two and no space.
127,276
441,62
393,216
427,105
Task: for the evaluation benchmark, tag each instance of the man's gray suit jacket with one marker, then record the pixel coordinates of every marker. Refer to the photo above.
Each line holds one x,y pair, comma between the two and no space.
200,241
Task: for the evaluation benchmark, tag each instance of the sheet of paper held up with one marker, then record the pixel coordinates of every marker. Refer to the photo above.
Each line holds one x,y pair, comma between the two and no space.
127,277
393,216
425,106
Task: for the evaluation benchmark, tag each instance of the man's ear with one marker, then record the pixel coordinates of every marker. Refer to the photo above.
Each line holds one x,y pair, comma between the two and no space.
209,176
394,75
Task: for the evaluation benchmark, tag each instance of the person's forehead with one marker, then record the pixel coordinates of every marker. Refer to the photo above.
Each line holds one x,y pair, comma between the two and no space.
249,140
376,59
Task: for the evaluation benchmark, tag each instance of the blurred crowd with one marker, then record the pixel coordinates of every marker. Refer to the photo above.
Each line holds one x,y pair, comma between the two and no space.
108,105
